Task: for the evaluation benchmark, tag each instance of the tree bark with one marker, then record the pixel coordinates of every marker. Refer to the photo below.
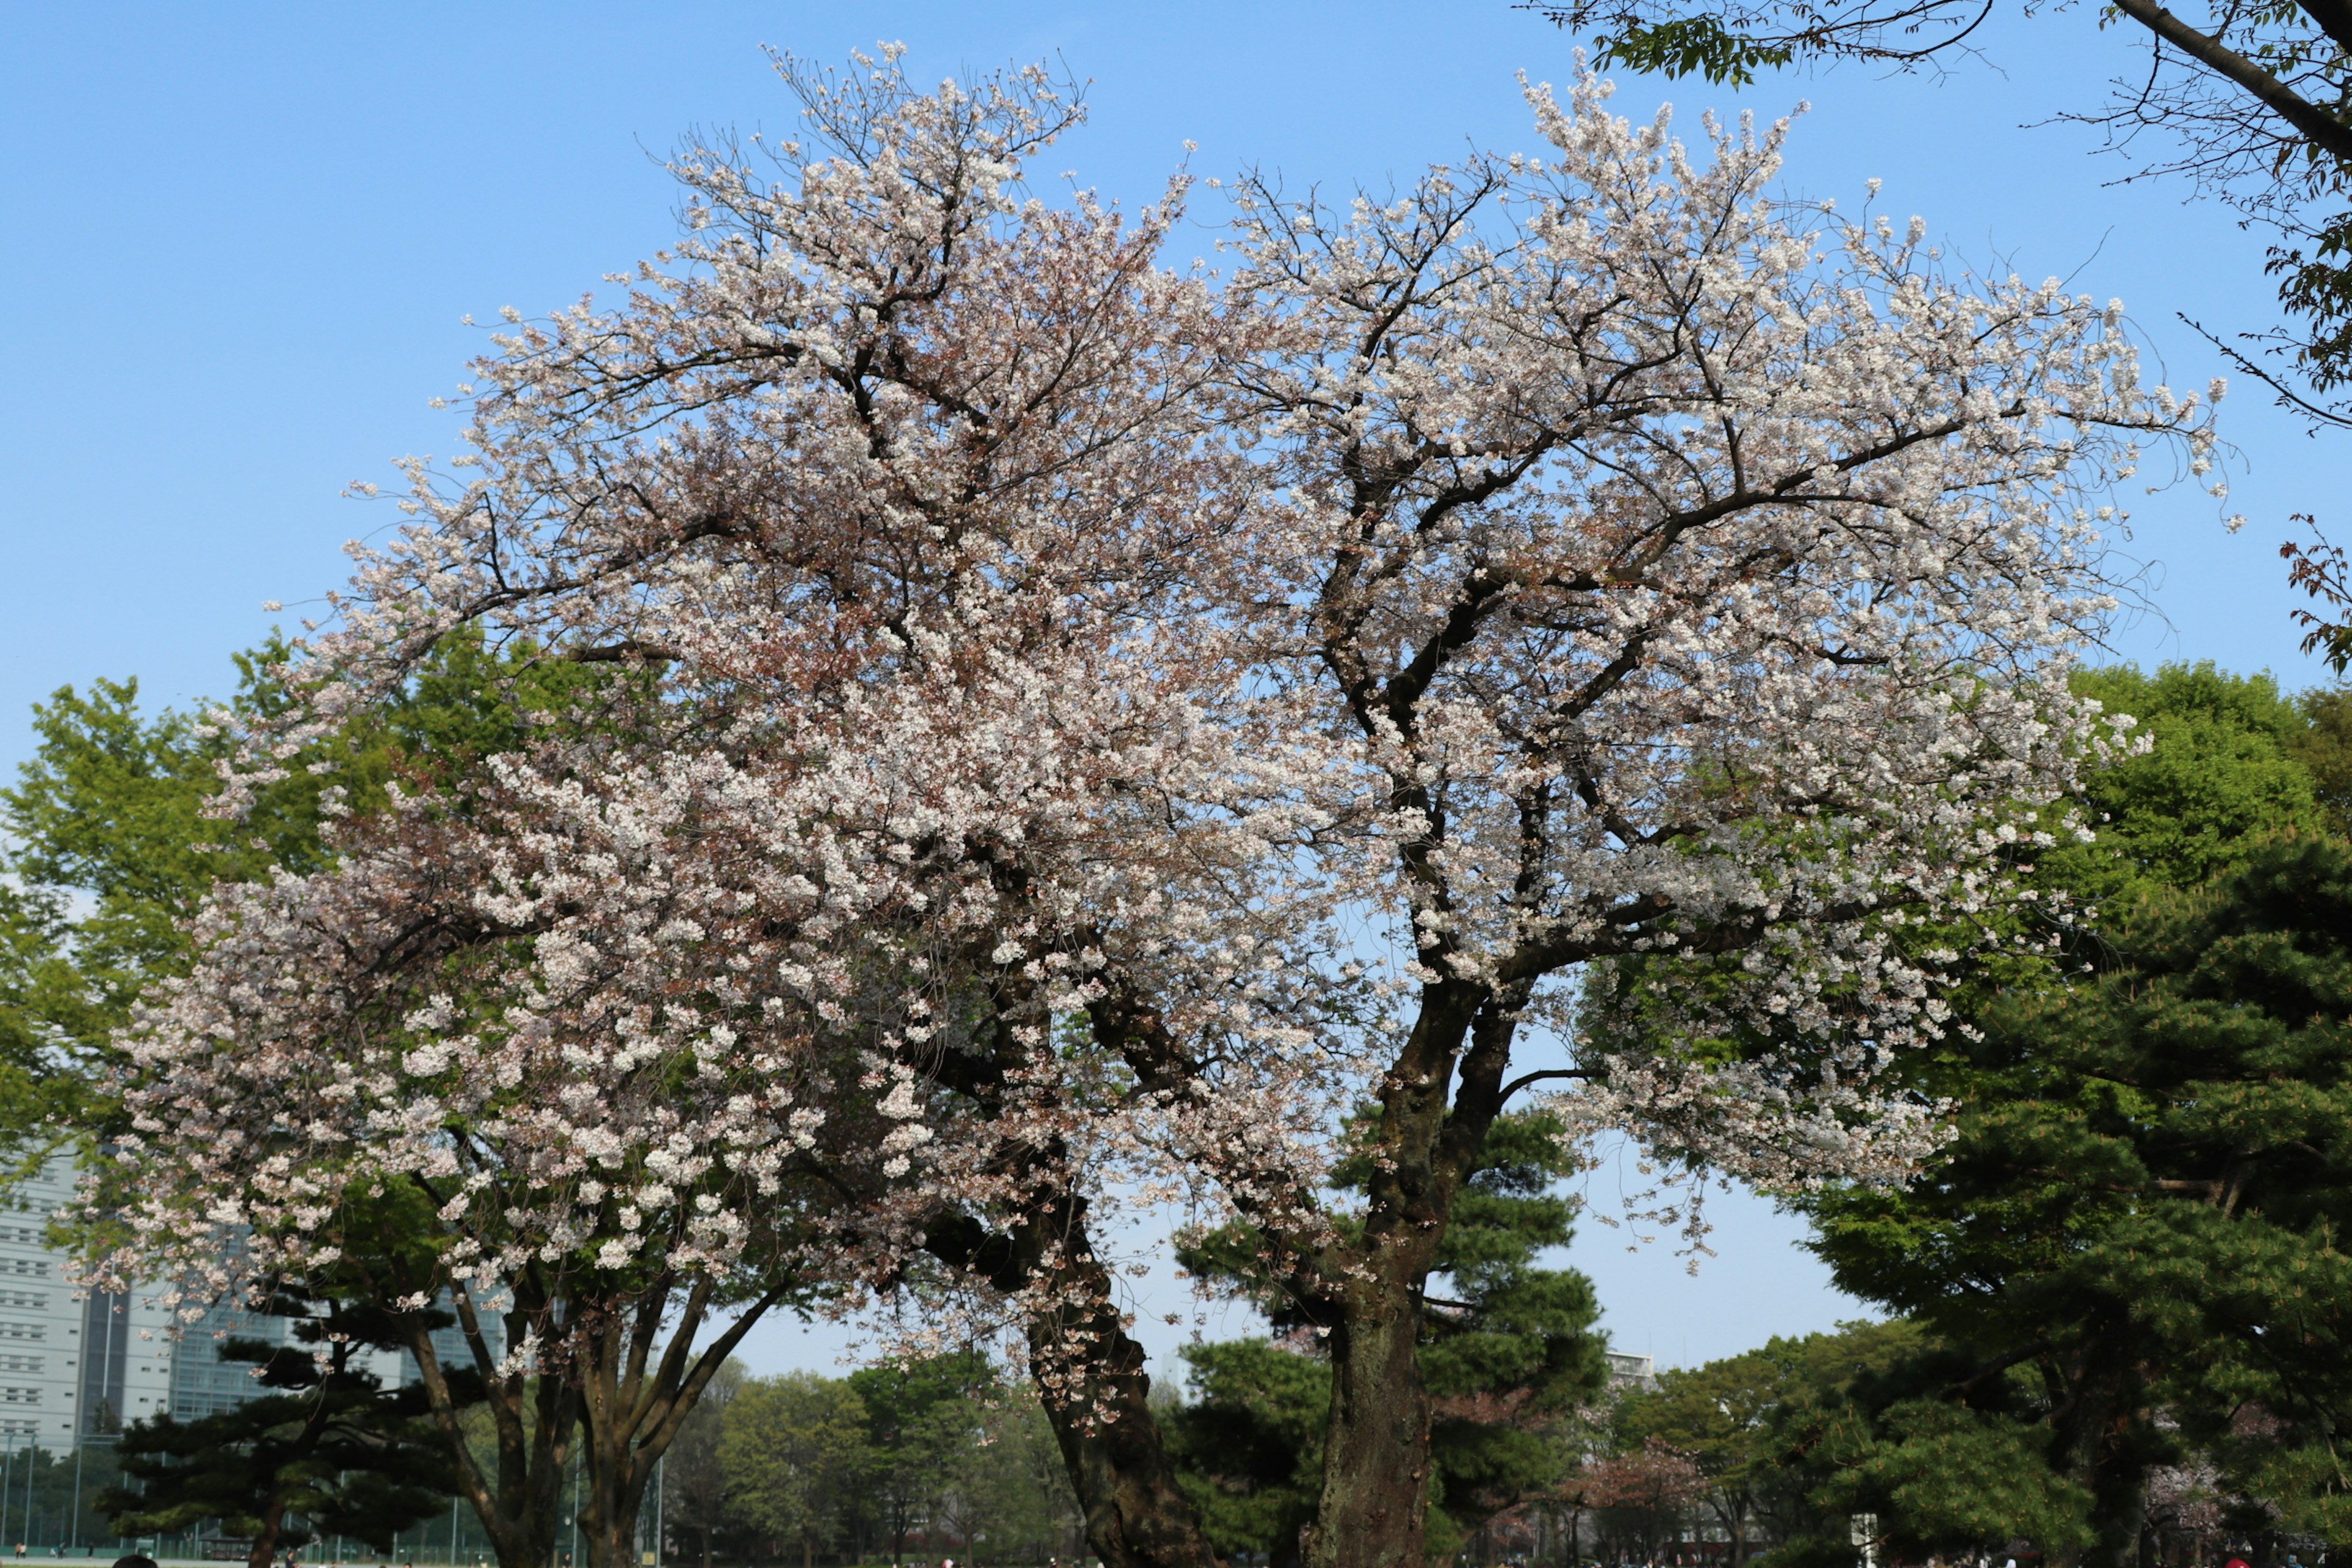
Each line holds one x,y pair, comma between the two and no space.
1374,1506
1096,1394
264,1550
1135,1515
2097,1445
518,1505
1373,1512
1090,1372
633,1400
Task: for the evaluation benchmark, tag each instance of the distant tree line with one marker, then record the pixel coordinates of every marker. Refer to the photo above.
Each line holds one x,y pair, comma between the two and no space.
932,1458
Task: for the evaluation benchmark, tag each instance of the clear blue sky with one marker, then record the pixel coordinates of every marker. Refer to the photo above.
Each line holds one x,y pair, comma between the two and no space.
238,240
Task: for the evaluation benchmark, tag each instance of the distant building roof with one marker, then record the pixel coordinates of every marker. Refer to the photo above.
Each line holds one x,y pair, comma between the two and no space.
1627,1370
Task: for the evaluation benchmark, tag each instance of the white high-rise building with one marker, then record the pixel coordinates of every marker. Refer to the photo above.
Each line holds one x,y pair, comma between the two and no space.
75,1364
69,1366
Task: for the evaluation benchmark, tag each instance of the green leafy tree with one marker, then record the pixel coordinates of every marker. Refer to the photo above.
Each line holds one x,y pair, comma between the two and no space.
2145,1196
107,818
2005,1246
110,849
1868,1422
2323,747
1798,1436
2022,1248
1248,1447
912,1415
794,1449
1945,1479
1717,1415
1006,1496
329,1451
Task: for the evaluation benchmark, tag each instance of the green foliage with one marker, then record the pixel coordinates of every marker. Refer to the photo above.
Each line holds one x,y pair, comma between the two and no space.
2074,1264
2220,775
1681,45
328,1452
2147,1185
1248,1447
793,1451
109,850
2323,747
1945,1479
942,1452
908,1405
1514,1349
1802,1434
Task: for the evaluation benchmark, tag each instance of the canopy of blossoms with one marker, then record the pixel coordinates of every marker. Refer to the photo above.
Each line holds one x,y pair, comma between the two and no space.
1079,727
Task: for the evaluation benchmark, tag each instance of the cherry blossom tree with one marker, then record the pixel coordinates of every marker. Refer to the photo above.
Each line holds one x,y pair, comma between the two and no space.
1090,732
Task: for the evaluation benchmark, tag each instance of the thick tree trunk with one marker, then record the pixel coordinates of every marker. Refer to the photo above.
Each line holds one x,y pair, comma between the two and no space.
264,1550
639,1375
1375,1500
1090,1372
2120,1507
611,1541
612,1493
1374,1506
1136,1516
1096,1395
2099,1445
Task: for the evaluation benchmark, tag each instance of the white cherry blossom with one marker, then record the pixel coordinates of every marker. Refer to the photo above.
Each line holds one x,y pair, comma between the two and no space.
1080,730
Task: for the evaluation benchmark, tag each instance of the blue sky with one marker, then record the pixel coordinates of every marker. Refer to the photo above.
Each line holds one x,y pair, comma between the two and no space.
238,241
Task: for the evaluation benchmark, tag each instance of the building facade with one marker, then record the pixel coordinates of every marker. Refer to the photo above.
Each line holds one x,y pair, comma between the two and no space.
70,1364
77,1363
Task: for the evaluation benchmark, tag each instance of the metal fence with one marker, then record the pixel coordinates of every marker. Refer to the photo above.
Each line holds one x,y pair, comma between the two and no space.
48,1512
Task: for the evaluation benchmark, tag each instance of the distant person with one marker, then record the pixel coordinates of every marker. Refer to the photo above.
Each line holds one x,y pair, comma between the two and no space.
136,1560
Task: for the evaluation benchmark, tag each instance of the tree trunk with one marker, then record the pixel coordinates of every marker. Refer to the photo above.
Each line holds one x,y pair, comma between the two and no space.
1136,1517
264,1550
612,1543
2120,1513
1090,1371
1375,1501
637,1385
1374,1506
533,1422
2100,1444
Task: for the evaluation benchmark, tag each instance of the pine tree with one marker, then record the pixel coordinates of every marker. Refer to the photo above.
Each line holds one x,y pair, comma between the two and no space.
2145,1199
330,1451
2031,1247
